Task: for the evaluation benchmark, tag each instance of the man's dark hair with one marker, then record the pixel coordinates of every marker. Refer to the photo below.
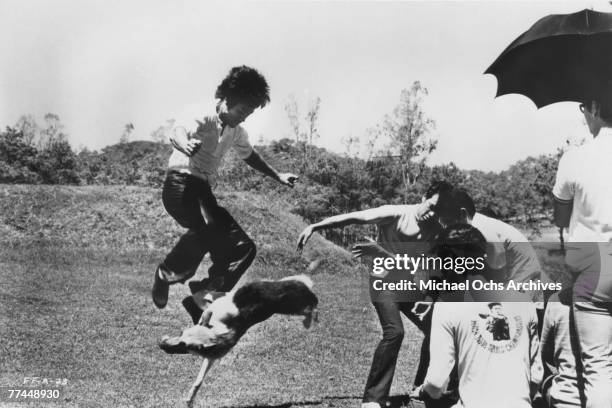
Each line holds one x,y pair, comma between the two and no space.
244,84
436,187
460,240
492,305
450,203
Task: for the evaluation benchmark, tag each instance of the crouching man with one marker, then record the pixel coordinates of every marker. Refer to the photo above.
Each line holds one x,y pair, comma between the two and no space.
493,341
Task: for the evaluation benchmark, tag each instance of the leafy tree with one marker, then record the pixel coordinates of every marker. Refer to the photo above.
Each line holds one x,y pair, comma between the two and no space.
57,163
127,131
407,130
306,138
293,114
17,158
52,132
27,125
351,145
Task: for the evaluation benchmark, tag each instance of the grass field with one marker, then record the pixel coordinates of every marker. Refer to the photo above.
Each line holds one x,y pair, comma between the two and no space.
76,268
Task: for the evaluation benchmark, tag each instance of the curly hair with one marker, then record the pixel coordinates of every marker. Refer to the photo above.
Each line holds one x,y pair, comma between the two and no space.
244,84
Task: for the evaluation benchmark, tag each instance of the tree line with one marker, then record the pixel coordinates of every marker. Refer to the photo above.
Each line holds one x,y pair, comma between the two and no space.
393,169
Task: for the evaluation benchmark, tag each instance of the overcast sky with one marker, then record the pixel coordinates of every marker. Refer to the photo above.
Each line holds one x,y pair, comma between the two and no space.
102,64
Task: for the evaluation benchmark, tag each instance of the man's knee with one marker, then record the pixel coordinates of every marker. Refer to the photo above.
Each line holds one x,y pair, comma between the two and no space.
217,219
393,334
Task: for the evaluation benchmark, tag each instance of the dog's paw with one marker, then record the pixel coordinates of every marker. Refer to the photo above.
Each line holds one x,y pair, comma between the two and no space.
310,315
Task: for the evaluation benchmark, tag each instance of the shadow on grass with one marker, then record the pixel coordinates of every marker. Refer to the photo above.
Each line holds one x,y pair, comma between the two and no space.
296,404
396,401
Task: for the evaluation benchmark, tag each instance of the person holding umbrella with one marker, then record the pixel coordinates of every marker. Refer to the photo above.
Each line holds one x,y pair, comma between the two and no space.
583,202
568,58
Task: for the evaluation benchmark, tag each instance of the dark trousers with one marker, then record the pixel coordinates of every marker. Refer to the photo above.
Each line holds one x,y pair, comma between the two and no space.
384,361
210,229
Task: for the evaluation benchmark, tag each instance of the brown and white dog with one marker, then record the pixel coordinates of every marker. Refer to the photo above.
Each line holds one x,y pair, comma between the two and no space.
229,316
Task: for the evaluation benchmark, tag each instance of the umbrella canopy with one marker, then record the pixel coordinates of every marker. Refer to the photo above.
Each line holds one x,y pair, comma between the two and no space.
562,57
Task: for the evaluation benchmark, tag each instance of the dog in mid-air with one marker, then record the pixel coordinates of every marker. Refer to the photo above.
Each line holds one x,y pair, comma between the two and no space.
228,316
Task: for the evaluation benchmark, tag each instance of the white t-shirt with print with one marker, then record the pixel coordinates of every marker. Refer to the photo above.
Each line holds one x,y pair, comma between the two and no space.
495,349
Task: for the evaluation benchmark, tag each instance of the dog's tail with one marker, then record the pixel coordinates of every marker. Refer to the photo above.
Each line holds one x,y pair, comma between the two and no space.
301,278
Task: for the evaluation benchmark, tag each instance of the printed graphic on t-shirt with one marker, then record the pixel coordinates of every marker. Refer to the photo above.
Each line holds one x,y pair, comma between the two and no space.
495,331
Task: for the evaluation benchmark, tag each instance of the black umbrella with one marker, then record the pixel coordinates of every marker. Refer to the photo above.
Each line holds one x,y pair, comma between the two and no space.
562,57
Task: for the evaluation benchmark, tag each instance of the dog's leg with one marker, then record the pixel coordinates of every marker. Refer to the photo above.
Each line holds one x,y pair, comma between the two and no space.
208,362
205,319
310,315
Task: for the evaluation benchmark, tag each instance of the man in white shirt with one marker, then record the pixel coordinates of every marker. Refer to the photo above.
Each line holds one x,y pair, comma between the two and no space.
492,372
187,193
583,202
510,256
493,344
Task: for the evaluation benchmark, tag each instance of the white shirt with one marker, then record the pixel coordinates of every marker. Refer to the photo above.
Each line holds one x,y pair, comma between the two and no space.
497,354
584,176
508,248
215,144
557,352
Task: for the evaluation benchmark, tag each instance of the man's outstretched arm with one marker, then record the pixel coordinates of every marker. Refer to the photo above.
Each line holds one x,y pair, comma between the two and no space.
258,163
370,216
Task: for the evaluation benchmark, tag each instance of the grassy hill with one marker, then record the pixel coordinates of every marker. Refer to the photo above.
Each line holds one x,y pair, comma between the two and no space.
76,268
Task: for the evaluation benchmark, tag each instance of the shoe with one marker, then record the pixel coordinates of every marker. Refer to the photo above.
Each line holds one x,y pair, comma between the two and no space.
160,290
370,405
193,309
